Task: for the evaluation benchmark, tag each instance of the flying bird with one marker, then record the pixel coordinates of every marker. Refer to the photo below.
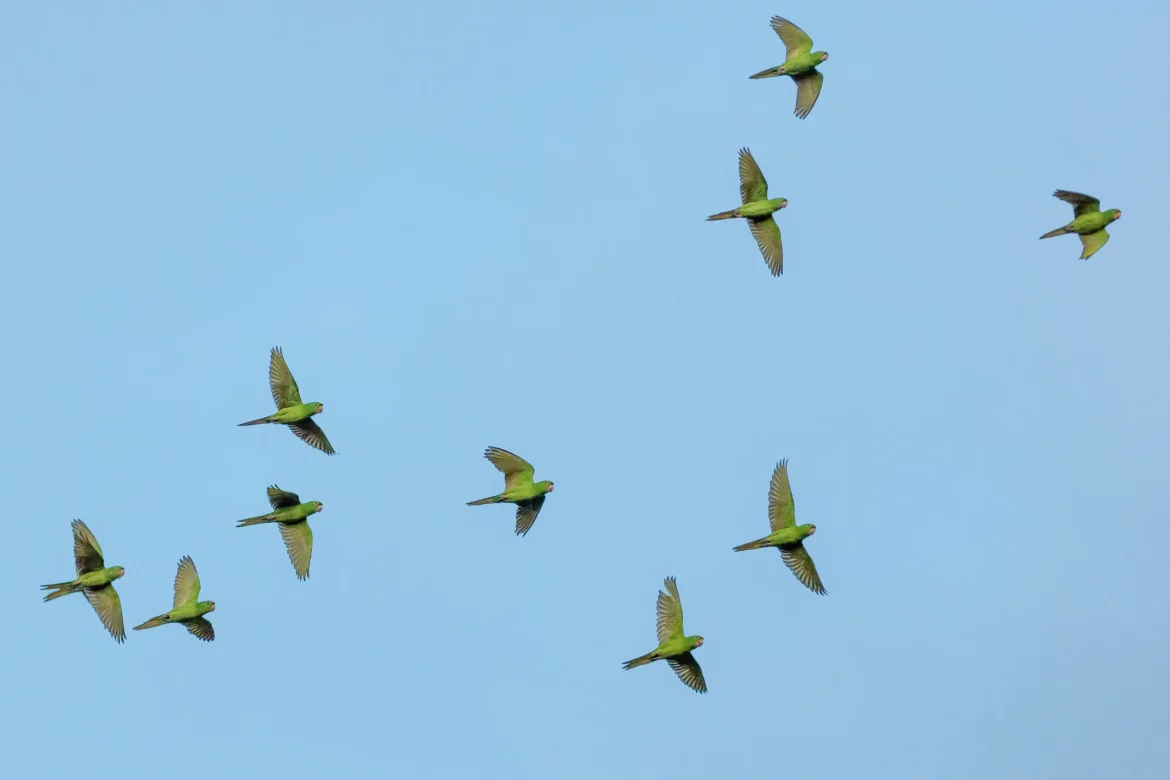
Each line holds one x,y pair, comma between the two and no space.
292,515
786,535
95,580
519,489
188,610
290,410
673,644
800,63
1089,221
757,209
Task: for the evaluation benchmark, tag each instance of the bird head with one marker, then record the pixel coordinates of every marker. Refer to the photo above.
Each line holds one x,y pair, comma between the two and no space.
824,56
812,529
319,506
698,641
119,571
1116,213
211,606
783,202
320,408
549,489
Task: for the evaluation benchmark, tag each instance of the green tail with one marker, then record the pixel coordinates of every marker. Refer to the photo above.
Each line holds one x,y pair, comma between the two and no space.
756,545
1058,232
724,215
255,521
488,500
153,622
641,660
257,422
62,589
769,73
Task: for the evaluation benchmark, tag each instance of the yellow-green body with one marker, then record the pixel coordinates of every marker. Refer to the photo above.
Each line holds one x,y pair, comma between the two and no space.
94,579
188,611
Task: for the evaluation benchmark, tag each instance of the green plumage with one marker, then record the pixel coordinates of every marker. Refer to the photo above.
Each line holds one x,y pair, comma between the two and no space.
800,63
290,410
674,646
94,579
757,209
787,536
1088,223
187,610
292,515
519,488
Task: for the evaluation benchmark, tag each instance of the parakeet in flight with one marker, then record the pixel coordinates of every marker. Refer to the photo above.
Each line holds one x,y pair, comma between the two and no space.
188,609
757,209
289,409
800,63
673,644
786,534
519,489
1089,221
292,515
95,580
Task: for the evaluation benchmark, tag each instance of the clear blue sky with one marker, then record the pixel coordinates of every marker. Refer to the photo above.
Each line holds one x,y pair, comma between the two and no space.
473,225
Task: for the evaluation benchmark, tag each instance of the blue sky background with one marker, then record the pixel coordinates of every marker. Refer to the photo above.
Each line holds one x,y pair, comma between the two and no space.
474,225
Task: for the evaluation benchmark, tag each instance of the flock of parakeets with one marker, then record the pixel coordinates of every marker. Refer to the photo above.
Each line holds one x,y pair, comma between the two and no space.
95,579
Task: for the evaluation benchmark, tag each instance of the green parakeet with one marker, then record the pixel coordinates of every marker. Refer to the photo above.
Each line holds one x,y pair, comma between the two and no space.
292,515
188,609
94,579
289,409
800,63
673,644
519,489
786,535
1089,221
757,209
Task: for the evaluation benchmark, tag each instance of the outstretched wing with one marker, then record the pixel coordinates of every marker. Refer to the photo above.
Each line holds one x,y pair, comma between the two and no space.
800,563
687,669
298,540
1093,242
108,606
282,498
186,583
781,512
200,627
752,184
280,380
517,471
767,235
796,40
526,512
808,89
1082,204
87,553
670,613
310,433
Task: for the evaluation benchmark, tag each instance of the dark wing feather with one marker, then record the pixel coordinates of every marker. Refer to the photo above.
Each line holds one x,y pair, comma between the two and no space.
87,553
526,512
687,669
200,627
800,563
310,433
1082,204
282,498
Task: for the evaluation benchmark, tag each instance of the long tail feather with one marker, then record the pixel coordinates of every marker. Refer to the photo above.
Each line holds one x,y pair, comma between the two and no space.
62,589
769,73
488,500
256,422
756,545
154,621
1058,232
724,215
641,660
255,520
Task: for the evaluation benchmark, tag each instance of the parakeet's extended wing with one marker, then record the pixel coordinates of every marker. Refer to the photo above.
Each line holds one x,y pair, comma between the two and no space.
797,559
298,540
87,553
687,669
767,235
108,606
282,498
526,512
517,471
796,40
1092,242
808,89
280,380
186,583
670,613
310,433
781,512
752,184
200,627
1082,204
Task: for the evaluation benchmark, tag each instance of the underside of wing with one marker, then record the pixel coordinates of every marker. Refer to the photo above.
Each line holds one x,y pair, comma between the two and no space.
752,184
781,511
1082,204
796,40
800,563
280,499
310,433
1092,242
186,583
284,388
526,512
808,89
516,470
766,232
298,540
87,553
108,606
200,627
687,669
